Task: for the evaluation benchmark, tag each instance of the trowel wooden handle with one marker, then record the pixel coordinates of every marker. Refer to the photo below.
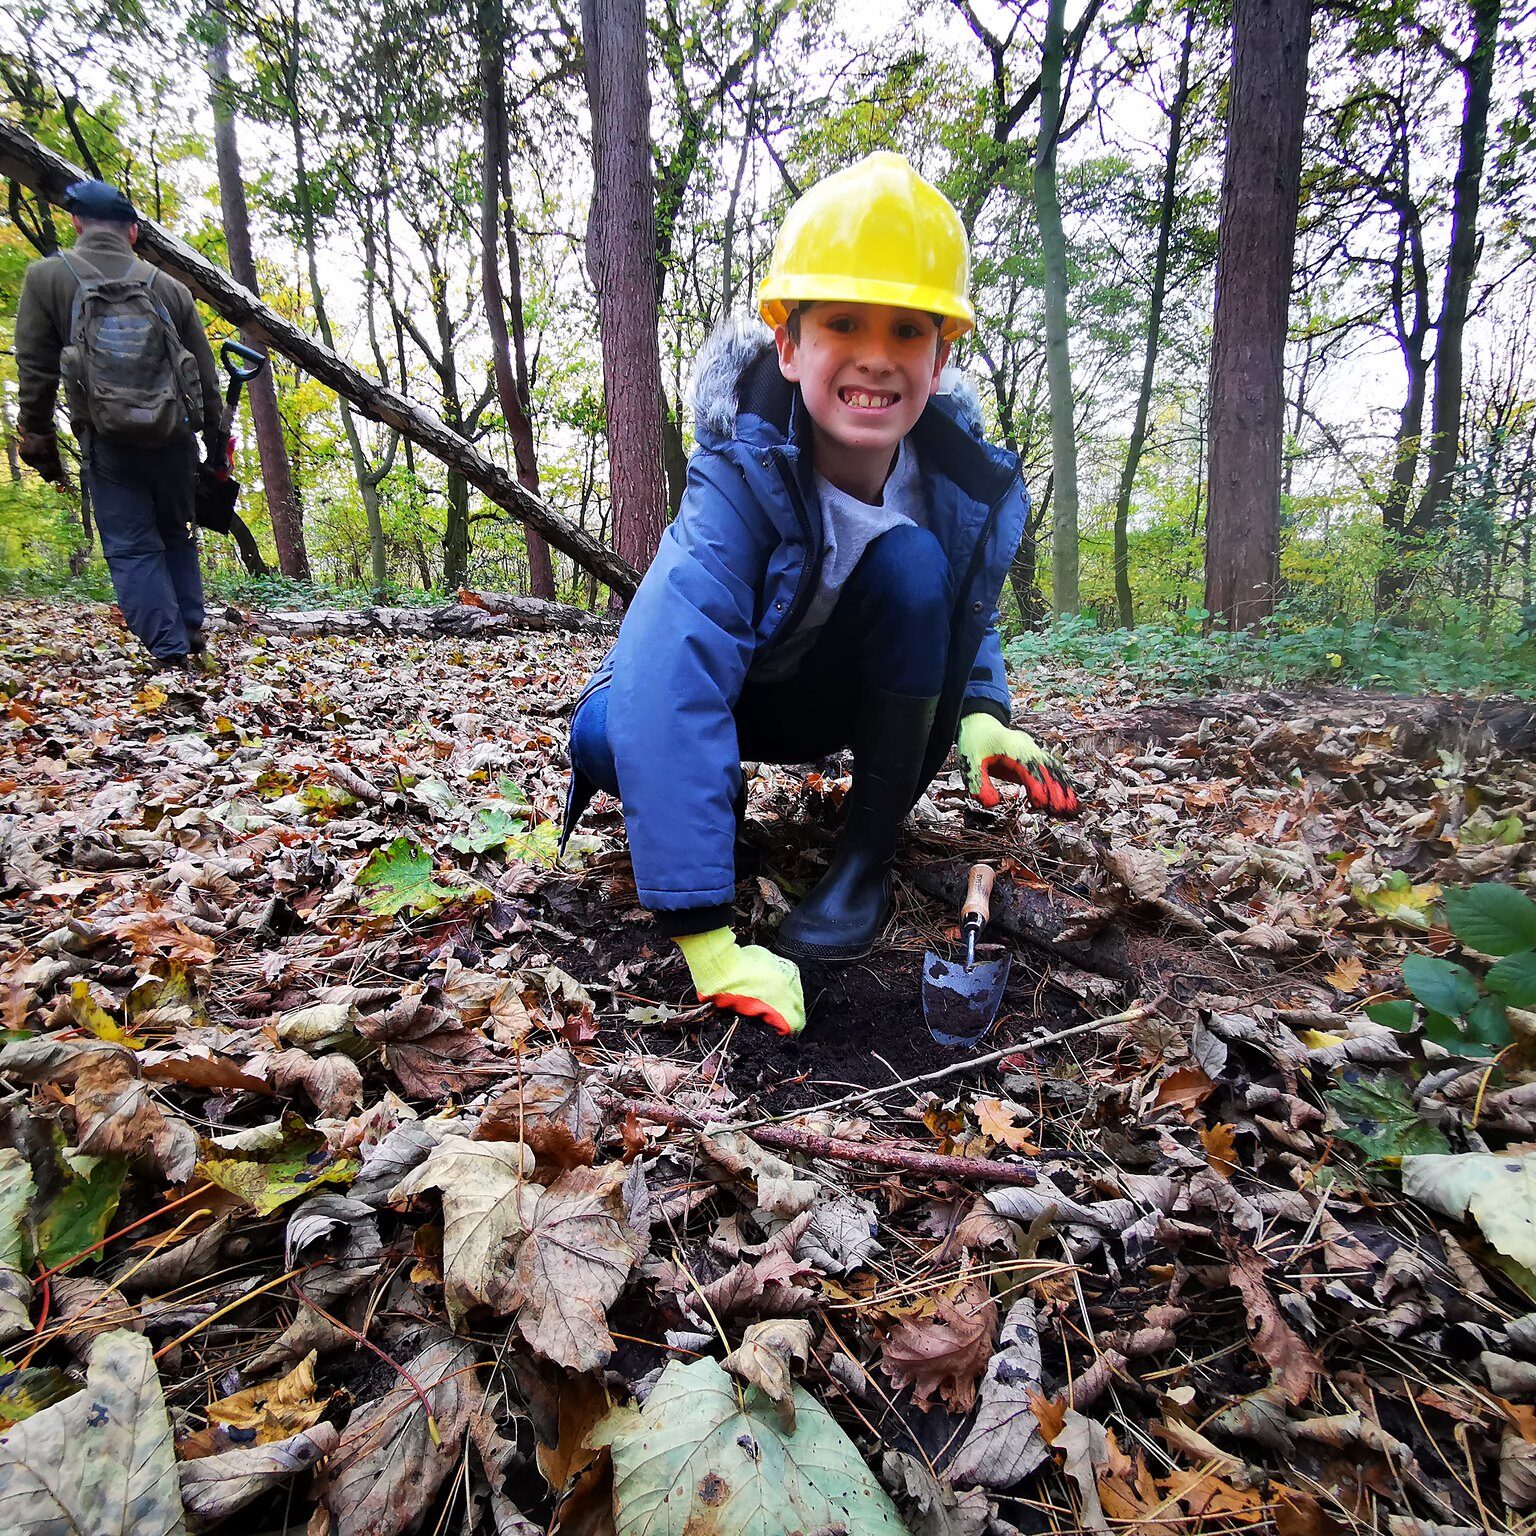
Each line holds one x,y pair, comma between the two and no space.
978,895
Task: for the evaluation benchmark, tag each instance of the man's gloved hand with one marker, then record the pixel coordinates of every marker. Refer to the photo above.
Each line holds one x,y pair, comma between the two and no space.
41,451
215,457
745,979
989,748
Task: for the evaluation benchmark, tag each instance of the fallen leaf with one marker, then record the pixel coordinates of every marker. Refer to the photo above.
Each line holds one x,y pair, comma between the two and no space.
696,1458
487,1202
100,1461
264,1414
766,1359
945,1353
571,1264
290,1163
17,1187
1497,1191
549,1107
996,1120
1347,975
399,879
1289,1356
215,1487
1220,1145
1184,1089
391,1460
1004,1444
333,1082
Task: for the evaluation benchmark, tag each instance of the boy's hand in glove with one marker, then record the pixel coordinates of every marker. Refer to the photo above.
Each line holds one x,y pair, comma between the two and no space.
989,748
745,979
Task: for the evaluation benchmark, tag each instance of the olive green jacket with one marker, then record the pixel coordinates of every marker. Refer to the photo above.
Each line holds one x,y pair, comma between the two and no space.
42,331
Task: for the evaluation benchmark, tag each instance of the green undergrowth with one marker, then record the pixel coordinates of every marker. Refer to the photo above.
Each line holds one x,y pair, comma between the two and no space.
1453,657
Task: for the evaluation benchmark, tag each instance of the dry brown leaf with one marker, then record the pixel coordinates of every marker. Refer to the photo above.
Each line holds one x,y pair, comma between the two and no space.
946,1354
391,1462
996,1120
1184,1089
1220,1143
115,1114
1347,975
487,1200
265,1413
578,1403
768,1356
550,1108
572,1263
333,1082
1289,1356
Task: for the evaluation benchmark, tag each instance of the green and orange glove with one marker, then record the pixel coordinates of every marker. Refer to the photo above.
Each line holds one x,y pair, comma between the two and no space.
989,749
745,979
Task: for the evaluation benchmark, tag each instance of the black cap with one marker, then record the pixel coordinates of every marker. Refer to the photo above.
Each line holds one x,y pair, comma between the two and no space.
99,200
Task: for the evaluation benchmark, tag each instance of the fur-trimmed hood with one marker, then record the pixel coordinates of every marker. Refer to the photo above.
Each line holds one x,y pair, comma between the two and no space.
737,343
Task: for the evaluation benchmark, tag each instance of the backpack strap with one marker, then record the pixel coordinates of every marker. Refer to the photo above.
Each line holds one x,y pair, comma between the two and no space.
140,271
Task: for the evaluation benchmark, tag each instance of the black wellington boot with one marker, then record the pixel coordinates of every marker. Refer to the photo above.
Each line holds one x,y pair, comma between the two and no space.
843,916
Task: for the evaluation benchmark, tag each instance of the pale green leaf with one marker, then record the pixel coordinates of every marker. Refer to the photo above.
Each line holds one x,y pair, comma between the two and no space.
697,1458
1498,1192
102,1460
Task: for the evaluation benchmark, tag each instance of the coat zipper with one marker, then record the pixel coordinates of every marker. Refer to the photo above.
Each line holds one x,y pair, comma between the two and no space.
810,576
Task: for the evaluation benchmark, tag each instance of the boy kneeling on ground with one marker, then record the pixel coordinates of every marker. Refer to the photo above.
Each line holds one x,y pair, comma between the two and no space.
830,581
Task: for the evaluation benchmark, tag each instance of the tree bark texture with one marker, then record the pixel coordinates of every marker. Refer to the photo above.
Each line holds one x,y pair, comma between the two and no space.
283,506
1058,363
30,163
1255,245
621,255
1165,211
1461,266
511,392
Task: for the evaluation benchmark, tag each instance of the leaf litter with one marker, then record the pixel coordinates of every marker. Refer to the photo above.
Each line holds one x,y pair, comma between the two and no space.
359,1162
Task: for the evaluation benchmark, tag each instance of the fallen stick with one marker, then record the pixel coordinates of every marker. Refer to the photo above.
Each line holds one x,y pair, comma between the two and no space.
489,613
834,1149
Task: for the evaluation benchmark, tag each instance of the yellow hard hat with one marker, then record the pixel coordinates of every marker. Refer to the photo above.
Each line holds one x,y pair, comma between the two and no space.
876,233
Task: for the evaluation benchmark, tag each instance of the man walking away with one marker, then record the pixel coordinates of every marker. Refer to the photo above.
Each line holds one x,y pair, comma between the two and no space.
140,384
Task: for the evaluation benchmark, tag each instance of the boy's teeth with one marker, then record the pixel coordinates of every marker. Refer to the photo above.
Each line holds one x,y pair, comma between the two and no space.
868,401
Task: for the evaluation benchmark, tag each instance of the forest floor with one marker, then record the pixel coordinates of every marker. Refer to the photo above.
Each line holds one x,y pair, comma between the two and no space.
385,1176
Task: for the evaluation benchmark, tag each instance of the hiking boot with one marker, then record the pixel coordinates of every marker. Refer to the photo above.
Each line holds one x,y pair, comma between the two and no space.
844,915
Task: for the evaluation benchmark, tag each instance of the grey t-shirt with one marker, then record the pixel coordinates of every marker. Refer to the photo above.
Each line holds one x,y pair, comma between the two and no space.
848,526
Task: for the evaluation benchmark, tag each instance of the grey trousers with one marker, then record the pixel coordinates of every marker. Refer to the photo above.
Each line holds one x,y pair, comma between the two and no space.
144,506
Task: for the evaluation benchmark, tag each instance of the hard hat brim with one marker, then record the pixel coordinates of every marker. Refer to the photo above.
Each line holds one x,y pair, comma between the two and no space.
776,298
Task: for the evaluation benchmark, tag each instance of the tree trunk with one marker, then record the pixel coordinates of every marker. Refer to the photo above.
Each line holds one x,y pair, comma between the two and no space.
367,485
1444,447
494,167
621,255
25,160
1165,212
1256,242
1053,244
283,506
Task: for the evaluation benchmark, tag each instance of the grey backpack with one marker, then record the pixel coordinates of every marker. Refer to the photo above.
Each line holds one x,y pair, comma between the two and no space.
125,372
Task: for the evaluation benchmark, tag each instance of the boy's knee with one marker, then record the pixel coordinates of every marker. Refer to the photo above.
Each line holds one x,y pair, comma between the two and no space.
591,751
906,568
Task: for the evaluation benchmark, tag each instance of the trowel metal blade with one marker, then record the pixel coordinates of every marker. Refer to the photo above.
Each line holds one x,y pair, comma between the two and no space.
959,1005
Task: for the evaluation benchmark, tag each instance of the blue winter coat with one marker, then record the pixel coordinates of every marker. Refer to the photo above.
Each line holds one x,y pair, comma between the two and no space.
735,572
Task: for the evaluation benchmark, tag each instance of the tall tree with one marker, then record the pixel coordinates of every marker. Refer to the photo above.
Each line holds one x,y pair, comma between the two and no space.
511,376
1058,362
1167,203
1444,448
283,505
1260,189
621,255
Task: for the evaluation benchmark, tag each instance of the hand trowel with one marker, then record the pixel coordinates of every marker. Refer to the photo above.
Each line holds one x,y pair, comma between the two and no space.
960,1001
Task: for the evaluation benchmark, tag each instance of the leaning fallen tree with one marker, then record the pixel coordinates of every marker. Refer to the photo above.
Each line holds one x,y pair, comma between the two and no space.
26,161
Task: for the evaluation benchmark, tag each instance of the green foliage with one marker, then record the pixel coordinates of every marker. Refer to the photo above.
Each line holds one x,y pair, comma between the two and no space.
1288,650
1379,1117
1457,1009
399,879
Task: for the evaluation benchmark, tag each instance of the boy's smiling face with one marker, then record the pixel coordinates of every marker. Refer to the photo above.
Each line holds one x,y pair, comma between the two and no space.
866,372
